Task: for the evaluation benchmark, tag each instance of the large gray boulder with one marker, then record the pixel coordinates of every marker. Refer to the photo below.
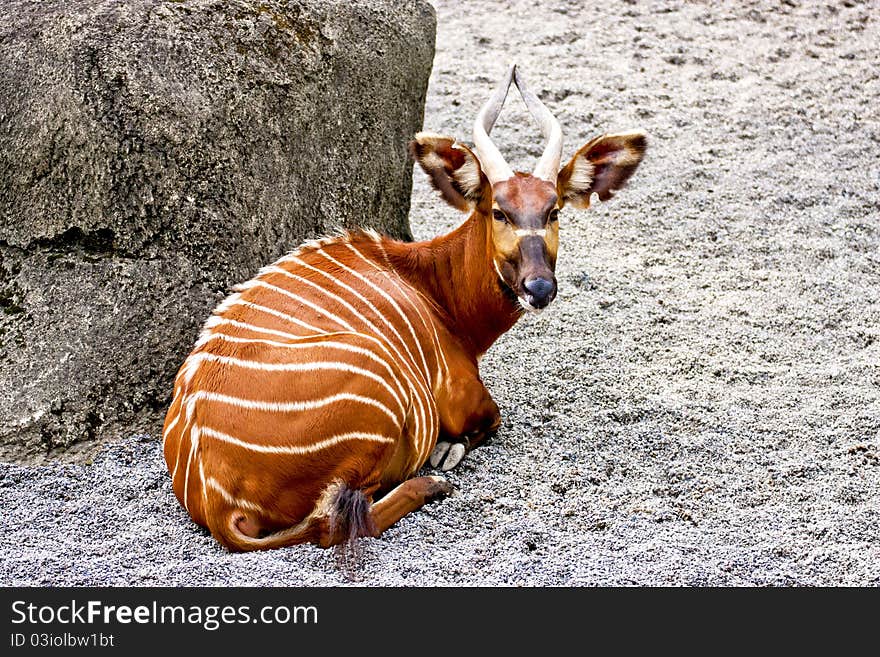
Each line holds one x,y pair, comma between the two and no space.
152,154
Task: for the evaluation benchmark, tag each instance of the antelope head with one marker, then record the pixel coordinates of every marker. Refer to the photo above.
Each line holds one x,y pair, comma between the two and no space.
521,210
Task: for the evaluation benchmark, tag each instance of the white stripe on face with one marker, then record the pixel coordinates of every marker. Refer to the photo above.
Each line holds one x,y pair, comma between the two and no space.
530,232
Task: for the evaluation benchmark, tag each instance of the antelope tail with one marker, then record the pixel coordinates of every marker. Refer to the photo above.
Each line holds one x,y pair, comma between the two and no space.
340,517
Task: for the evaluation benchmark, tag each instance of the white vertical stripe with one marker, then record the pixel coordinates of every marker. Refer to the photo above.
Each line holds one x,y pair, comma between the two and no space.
204,486
177,460
171,426
194,445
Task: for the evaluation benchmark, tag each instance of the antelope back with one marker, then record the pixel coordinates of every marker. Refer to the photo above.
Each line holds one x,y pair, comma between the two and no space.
325,361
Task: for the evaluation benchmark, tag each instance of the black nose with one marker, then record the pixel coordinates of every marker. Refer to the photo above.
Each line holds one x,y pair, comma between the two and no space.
539,291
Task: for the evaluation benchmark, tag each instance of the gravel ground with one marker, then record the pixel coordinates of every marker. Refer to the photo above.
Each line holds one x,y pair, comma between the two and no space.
700,405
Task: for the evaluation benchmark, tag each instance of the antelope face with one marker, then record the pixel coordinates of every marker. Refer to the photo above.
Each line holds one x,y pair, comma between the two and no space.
520,209
525,238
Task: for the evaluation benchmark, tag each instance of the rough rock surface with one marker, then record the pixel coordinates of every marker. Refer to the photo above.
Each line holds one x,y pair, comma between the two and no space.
153,153
700,406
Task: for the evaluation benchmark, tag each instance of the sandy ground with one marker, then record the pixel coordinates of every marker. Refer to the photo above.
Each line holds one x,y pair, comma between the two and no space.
700,405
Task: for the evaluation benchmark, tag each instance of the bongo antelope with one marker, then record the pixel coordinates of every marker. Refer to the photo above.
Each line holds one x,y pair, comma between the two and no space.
320,387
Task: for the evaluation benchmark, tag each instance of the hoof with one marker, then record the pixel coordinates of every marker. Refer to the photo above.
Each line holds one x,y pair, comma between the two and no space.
447,455
438,487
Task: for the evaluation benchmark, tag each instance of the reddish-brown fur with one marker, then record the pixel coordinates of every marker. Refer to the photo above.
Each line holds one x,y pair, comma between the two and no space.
290,485
318,390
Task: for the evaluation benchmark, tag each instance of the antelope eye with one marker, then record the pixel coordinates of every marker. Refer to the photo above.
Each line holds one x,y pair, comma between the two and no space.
554,215
499,215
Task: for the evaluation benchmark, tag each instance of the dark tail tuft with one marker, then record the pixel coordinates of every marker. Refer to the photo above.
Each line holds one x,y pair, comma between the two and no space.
350,520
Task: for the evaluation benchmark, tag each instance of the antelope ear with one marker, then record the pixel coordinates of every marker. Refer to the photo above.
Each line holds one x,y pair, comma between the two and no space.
602,166
453,169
